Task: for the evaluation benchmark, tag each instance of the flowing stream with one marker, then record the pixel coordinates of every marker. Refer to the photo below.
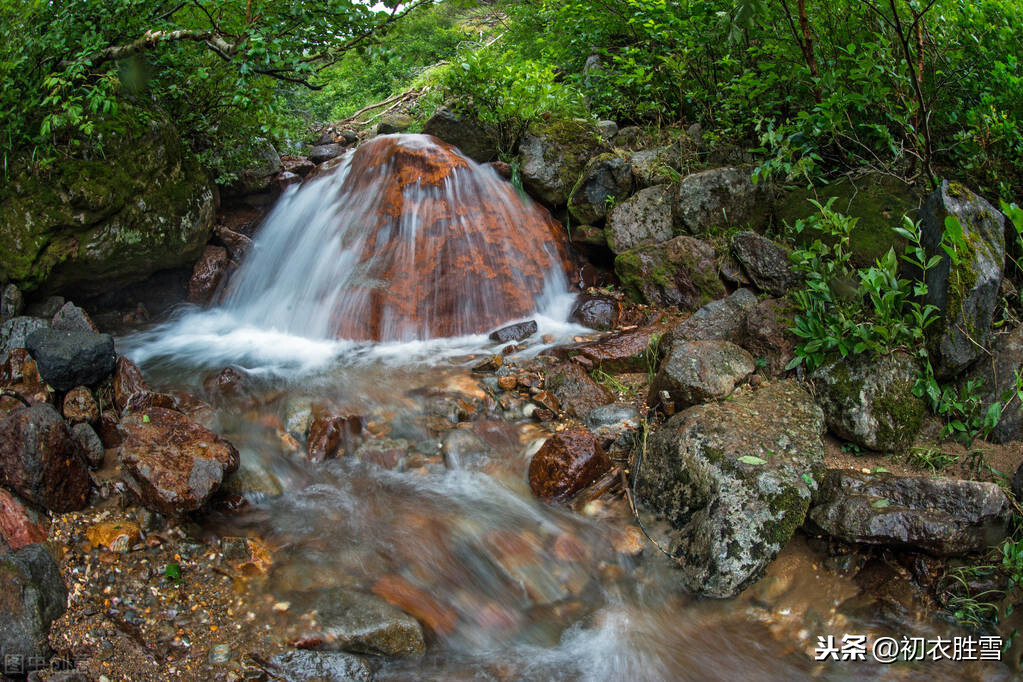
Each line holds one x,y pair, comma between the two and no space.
367,292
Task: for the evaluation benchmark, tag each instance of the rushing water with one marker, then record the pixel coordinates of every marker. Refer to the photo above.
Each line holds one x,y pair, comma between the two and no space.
511,588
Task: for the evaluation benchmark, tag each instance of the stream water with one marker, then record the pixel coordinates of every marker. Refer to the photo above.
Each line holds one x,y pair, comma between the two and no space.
511,588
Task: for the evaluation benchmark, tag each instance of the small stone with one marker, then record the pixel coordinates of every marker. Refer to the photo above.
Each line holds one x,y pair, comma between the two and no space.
80,406
317,666
71,318
767,263
128,381
491,364
117,536
507,383
697,372
325,152
547,401
515,332
11,303
596,312
221,653
92,445
566,463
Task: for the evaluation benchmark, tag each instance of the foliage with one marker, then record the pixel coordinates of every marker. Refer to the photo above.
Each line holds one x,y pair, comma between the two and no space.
931,459
221,69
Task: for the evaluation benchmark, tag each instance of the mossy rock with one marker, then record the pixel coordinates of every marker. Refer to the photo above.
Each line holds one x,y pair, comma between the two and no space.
132,203
877,201
553,156
680,272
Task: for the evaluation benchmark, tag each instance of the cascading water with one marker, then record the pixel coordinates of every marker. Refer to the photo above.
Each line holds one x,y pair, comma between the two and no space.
404,239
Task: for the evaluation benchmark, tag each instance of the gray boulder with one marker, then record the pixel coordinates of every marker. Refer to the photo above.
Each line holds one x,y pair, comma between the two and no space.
655,166
361,623
643,218
869,400
325,152
615,425
68,359
734,479
11,302
696,372
14,333
766,263
71,318
302,665
724,320
967,295
473,139
606,178
679,272
553,156
768,337
942,516
34,596
719,197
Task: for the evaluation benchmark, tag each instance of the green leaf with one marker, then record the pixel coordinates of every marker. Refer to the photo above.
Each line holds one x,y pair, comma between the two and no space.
880,504
750,459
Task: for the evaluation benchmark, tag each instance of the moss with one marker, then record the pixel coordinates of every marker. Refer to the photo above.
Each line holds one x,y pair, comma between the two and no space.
789,510
899,415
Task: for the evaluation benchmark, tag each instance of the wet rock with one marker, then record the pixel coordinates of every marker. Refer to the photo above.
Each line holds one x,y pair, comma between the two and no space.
32,596
966,295
767,334
734,479
298,415
11,302
502,168
596,311
41,460
606,179
280,183
394,123
207,275
19,368
625,350
14,333
552,157
680,272
171,463
71,318
696,372
869,400
491,364
333,436
253,480
719,197
464,450
20,525
566,463
300,665
298,165
723,320
942,516
228,382
643,218
363,624
767,263
92,446
615,425
107,429
80,406
514,332
473,139
997,379
116,536
69,359
128,381
236,243
575,391
386,453
416,601
325,152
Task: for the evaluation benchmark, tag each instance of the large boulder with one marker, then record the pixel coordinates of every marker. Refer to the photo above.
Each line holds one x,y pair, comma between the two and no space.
643,218
656,166
171,463
101,219
14,333
719,197
869,400
553,156
596,311
735,480
606,178
768,334
943,516
462,130
696,372
303,665
32,596
41,460
966,294
997,380
69,359
878,201
766,263
680,272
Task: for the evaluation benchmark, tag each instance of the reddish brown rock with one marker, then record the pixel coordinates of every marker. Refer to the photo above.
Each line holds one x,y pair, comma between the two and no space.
19,524
207,275
299,165
228,382
107,429
19,368
237,244
41,460
128,381
173,464
597,312
623,351
280,183
80,406
568,462
416,601
333,436
141,402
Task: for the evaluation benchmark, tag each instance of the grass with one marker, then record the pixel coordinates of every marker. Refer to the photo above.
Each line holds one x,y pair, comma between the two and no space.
611,382
931,459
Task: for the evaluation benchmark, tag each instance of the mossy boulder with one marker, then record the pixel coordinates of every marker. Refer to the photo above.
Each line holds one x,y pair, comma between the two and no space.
966,293
718,198
680,272
878,202
553,156
869,400
606,180
735,480
643,218
132,203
